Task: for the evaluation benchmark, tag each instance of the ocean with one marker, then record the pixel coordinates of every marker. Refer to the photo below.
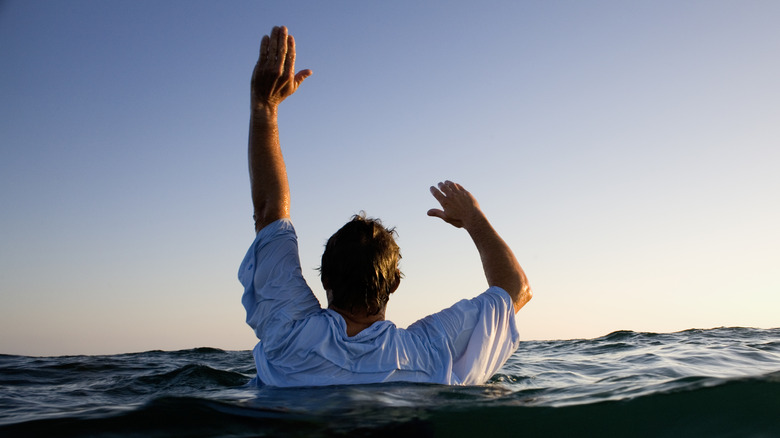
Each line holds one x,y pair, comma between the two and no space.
722,382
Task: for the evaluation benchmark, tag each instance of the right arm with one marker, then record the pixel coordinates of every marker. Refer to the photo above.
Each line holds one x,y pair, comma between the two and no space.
460,209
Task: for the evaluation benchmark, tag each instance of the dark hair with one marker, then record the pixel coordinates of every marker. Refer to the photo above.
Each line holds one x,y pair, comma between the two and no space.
360,265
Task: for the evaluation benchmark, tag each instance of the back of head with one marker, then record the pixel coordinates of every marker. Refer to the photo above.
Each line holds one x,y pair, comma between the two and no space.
360,266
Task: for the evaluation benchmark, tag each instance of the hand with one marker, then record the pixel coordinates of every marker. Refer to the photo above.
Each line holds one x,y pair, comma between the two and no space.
459,207
273,79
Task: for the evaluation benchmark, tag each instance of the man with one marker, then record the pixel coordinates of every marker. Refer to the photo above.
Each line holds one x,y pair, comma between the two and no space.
350,342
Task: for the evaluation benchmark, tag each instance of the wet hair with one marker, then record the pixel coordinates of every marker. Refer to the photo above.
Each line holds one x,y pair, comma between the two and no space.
360,265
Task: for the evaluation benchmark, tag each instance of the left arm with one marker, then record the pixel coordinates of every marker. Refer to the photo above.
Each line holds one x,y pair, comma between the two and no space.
273,80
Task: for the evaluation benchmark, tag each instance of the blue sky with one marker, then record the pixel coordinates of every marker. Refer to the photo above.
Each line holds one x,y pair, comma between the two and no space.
627,151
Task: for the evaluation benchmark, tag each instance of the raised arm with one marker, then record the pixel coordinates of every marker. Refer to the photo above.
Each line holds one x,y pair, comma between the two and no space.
273,80
460,209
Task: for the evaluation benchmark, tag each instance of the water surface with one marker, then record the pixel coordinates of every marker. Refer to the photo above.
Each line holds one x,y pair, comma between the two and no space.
716,383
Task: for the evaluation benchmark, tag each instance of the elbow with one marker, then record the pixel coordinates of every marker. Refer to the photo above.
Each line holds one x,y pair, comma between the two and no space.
523,297
526,294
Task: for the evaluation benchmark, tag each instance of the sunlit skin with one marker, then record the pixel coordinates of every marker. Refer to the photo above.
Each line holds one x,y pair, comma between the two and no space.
273,80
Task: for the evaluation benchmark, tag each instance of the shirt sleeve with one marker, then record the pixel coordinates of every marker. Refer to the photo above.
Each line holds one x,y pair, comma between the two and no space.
480,333
275,292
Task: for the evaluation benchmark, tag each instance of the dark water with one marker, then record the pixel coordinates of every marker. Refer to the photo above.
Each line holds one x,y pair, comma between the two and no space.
710,383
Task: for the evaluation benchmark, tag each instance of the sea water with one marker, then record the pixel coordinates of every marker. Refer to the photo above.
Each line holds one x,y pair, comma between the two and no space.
721,382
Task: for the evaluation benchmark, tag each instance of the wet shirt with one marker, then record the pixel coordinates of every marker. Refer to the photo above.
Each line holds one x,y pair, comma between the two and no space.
302,344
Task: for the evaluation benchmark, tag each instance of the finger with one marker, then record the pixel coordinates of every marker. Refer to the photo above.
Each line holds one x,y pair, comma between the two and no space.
289,61
263,50
453,188
446,187
273,45
281,40
281,50
437,194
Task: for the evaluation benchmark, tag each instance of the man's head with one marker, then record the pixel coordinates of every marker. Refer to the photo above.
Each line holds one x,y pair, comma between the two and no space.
360,266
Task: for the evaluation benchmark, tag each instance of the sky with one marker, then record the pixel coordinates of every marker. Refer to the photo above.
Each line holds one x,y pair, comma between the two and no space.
628,152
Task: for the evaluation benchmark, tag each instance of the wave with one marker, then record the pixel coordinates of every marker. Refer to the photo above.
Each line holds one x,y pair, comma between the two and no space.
708,407
147,371
716,382
94,387
193,376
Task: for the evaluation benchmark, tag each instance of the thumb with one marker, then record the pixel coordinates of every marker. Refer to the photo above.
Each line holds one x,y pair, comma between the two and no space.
435,212
301,75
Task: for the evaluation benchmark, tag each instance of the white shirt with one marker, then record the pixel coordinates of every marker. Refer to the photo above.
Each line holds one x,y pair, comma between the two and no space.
302,344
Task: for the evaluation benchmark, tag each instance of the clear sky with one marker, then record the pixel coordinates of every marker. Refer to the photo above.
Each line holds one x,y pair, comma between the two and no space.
629,153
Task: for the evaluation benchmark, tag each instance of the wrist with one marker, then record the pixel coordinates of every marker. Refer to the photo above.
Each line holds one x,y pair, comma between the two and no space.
476,222
264,111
